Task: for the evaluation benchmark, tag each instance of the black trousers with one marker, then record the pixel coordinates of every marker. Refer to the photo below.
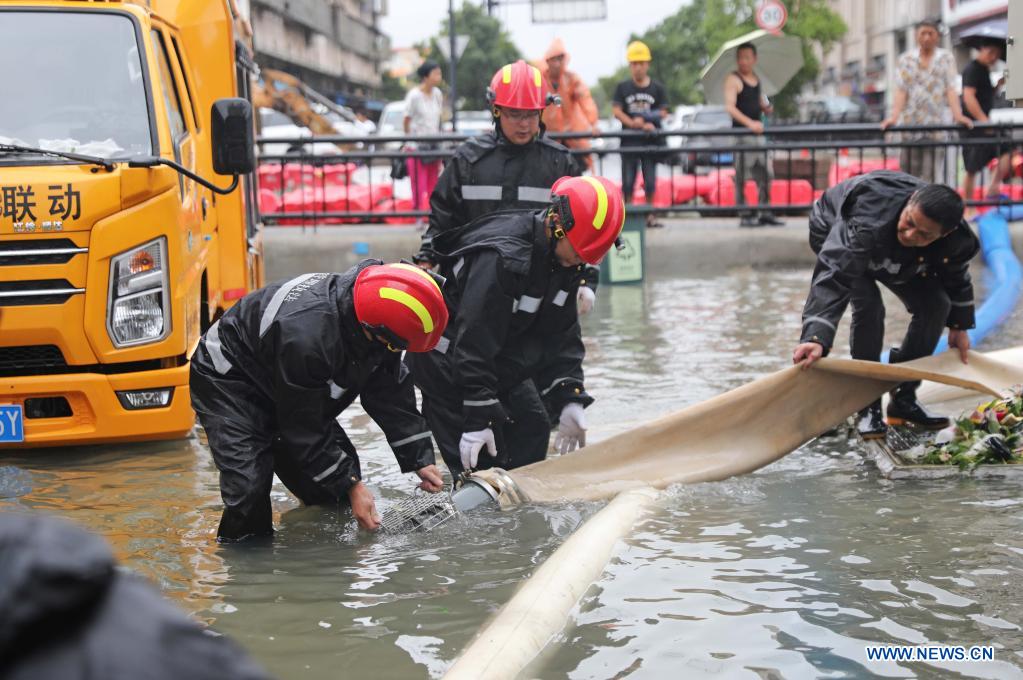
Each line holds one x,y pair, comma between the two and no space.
240,428
926,301
630,163
520,441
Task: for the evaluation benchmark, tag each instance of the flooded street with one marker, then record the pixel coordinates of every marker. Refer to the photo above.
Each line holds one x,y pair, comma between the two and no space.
785,573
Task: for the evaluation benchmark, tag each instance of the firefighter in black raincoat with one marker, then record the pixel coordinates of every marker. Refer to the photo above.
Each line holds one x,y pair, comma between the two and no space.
512,279
68,612
512,167
890,228
271,376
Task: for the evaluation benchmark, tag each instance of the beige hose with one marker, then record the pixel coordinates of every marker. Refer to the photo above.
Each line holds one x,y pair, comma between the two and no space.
538,611
935,393
747,428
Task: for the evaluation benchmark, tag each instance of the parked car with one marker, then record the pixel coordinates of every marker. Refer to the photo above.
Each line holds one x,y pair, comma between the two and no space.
474,122
392,122
276,125
606,125
681,116
690,155
822,110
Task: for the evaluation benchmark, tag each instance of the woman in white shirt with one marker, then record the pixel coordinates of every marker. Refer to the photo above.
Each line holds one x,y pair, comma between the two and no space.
423,106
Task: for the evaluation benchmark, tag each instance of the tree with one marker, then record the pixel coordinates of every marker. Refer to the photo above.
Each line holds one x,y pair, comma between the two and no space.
490,47
391,88
815,23
683,44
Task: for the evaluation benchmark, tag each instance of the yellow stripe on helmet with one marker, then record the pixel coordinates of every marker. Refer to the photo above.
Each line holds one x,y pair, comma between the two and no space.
536,76
415,305
417,270
601,214
506,74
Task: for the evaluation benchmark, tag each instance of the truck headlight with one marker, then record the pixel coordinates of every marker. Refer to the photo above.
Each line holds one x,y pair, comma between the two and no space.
138,310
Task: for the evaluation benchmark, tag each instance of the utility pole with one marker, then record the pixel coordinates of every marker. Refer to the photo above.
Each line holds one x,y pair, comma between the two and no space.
452,60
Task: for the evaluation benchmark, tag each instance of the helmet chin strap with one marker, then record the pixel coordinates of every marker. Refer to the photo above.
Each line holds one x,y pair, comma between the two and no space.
383,334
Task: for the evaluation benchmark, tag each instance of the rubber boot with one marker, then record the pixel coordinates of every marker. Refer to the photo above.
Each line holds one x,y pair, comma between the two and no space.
870,422
904,409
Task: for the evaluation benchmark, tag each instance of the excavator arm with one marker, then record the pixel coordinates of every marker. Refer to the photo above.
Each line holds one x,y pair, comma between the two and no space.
285,93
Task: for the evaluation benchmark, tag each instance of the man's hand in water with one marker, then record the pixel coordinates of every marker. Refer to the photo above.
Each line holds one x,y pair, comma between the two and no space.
959,339
364,507
806,354
432,480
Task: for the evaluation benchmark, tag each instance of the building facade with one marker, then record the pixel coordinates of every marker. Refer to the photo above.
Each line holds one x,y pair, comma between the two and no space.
334,46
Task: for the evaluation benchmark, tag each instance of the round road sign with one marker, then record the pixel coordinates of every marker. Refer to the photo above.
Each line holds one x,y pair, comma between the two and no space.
771,15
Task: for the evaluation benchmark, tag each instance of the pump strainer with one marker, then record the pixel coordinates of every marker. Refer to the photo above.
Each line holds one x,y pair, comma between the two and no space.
426,512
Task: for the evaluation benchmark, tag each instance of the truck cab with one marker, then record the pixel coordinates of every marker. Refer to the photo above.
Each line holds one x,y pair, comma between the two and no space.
119,241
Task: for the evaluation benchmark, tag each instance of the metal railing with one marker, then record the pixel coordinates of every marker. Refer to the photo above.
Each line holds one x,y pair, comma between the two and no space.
695,168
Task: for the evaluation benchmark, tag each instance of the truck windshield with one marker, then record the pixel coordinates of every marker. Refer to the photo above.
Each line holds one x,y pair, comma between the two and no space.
73,82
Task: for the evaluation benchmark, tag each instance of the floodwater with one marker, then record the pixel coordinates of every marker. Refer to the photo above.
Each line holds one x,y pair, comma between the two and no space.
786,573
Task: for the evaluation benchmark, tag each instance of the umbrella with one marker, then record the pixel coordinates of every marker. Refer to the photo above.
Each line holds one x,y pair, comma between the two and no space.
988,31
779,58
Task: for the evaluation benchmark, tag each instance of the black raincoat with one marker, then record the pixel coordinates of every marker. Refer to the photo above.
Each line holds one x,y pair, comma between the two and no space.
853,230
67,613
268,382
488,173
513,332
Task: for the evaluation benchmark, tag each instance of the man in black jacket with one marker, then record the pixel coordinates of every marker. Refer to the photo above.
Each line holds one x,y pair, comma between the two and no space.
514,335
894,229
512,167
271,376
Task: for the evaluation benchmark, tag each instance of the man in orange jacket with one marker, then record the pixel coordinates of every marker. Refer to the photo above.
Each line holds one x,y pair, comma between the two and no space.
577,112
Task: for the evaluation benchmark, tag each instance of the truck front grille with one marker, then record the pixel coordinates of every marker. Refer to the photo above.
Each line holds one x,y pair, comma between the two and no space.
49,360
38,251
30,359
43,292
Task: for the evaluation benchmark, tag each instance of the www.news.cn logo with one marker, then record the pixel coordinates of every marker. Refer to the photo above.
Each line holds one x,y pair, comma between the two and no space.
929,653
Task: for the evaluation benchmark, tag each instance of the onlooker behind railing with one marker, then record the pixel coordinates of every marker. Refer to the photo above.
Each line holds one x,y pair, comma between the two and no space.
424,103
577,112
978,98
640,103
745,102
924,88
363,123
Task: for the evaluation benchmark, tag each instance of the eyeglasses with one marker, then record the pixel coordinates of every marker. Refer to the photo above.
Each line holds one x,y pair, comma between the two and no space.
520,115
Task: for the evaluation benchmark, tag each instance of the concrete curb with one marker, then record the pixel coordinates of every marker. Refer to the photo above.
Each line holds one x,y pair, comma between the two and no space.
684,247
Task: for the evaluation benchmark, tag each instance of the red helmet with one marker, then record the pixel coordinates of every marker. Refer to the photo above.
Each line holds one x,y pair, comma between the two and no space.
592,214
517,86
403,304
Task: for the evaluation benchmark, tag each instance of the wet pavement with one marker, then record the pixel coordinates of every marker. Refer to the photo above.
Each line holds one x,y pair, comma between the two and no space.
788,572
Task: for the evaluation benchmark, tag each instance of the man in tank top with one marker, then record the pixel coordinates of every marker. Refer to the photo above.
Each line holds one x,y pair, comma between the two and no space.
745,103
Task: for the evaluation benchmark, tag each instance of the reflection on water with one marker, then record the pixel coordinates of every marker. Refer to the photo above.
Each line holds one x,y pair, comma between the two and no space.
782,574
785,573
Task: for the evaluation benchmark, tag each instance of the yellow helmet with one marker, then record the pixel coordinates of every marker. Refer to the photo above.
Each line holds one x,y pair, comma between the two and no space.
637,51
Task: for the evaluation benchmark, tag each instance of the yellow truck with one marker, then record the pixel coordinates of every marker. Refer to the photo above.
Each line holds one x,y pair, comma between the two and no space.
121,239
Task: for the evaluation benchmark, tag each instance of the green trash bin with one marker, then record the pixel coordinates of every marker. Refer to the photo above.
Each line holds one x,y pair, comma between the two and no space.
626,265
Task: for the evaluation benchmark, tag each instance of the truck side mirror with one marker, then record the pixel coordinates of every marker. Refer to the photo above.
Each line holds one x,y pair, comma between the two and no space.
233,137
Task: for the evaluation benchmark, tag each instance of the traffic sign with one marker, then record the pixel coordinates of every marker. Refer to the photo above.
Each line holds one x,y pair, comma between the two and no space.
444,45
771,16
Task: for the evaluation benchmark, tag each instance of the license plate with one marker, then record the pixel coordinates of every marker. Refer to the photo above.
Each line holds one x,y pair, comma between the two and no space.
12,423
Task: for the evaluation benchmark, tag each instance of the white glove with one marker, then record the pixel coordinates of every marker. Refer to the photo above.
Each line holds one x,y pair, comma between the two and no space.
585,299
471,444
571,428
